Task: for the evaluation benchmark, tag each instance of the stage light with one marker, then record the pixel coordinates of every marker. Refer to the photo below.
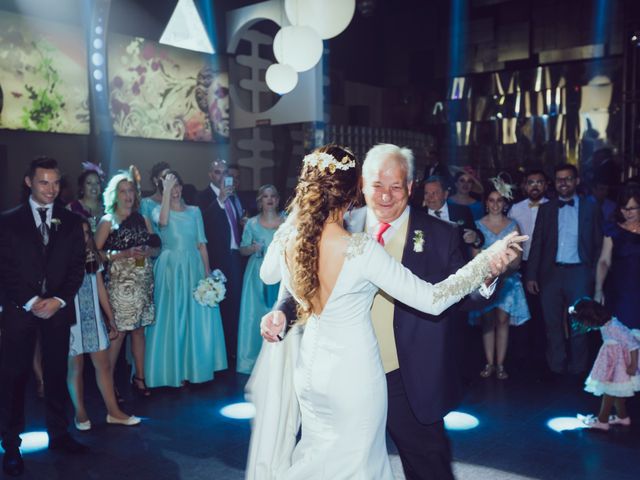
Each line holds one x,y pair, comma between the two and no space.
327,17
97,74
460,421
97,43
33,442
281,78
561,424
186,30
97,59
299,47
239,411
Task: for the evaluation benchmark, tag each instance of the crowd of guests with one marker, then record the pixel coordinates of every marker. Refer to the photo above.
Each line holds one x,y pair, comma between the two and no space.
135,262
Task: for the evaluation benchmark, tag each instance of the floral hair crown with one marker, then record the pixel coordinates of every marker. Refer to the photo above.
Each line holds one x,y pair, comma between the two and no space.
92,167
322,161
502,187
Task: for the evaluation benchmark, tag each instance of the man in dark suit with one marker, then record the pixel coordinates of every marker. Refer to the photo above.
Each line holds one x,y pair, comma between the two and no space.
419,351
42,256
222,214
435,203
565,248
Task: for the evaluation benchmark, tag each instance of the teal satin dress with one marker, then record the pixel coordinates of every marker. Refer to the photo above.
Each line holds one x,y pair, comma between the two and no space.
257,298
187,341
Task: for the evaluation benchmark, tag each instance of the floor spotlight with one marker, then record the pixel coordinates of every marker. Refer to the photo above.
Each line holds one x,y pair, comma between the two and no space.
561,424
33,442
460,421
239,411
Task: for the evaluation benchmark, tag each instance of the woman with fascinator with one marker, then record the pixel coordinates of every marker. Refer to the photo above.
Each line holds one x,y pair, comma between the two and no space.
327,372
89,202
509,306
126,239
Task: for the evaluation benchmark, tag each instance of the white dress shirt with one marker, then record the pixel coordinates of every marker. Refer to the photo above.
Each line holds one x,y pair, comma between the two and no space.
444,213
233,245
36,216
526,216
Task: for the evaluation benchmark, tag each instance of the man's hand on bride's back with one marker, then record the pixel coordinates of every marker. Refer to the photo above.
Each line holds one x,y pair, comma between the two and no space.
272,326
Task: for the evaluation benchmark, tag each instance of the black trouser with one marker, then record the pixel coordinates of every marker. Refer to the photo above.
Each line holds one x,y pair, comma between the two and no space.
231,266
424,449
532,339
17,344
566,350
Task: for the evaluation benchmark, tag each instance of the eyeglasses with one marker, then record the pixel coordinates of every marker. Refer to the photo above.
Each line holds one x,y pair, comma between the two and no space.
568,179
629,209
535,182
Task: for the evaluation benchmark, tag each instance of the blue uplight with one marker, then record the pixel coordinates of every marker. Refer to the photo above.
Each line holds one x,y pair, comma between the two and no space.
460,421
561,424
33,442
239,411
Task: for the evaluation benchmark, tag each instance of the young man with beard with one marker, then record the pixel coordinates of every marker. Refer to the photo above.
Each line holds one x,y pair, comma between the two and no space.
532,341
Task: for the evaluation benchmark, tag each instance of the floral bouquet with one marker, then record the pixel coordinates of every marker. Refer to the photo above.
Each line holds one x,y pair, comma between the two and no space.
211,290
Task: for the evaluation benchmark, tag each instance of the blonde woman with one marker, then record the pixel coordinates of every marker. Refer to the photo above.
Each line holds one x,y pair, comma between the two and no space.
126,240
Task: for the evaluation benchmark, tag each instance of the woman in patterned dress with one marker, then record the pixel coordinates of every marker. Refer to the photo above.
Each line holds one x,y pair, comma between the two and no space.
509,306
127,241
91,334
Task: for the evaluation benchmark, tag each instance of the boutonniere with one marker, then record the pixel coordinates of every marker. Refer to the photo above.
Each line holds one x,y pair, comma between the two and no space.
460,223
56,222
418,241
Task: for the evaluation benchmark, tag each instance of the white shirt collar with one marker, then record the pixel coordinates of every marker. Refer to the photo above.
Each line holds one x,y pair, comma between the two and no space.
35,206
372,221
215,189
444,211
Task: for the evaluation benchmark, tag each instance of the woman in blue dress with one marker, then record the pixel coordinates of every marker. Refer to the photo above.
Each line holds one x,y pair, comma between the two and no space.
618,272
186,344
257,298
510,305
148,204
464,182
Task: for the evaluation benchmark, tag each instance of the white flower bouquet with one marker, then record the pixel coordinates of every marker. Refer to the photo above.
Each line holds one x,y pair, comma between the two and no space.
211,290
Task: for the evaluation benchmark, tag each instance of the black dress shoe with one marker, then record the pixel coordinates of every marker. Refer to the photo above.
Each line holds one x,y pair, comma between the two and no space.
68,444
12,463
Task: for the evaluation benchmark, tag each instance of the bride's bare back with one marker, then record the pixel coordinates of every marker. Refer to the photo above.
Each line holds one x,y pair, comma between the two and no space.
331,248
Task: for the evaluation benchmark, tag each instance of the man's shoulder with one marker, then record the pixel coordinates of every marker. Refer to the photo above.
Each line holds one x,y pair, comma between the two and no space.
13,213
428,222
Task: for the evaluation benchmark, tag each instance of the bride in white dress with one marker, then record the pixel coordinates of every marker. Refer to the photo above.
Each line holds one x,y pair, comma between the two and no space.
338,383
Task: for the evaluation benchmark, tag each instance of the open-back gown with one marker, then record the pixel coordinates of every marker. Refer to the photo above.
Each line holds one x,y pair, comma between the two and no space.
338,378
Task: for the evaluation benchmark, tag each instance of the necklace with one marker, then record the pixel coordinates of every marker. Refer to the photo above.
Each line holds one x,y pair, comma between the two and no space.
632,228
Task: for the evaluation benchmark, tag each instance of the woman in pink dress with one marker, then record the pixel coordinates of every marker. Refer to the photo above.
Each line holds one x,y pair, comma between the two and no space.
615,375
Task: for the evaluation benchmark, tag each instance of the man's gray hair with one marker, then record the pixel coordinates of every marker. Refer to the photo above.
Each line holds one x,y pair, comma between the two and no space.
377,154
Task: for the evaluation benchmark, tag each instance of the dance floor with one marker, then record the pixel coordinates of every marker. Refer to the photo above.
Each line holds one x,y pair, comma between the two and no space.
504,433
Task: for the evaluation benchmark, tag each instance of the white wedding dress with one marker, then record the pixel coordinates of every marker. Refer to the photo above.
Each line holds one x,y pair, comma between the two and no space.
338,379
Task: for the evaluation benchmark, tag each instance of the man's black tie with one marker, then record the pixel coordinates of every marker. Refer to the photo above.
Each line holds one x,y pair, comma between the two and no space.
44,228
438,213
562,203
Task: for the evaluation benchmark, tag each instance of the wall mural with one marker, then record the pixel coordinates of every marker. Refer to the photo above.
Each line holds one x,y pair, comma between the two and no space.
157,91
43,76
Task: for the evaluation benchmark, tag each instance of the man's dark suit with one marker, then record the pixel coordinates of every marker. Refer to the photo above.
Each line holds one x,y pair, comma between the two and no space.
218,233
561,285
24,265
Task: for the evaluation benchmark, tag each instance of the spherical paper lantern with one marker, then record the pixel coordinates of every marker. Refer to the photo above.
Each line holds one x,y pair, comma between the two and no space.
281,78
327,17
300,47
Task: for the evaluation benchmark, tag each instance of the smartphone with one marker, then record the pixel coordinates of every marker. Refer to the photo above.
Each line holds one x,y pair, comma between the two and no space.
228,181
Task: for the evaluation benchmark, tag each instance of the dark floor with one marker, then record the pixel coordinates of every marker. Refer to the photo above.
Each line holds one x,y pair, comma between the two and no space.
185,437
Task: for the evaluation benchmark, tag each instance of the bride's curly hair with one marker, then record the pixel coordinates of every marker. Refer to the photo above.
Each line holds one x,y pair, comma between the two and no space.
321,192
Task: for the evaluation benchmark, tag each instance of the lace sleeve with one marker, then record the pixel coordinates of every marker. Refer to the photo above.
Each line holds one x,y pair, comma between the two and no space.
270,272
400,283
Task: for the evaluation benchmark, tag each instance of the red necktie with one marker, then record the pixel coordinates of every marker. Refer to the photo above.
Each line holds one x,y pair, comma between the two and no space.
383,227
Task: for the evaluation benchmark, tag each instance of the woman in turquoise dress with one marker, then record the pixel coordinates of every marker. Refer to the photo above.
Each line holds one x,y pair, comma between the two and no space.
257,298
149,204
509,306
186,344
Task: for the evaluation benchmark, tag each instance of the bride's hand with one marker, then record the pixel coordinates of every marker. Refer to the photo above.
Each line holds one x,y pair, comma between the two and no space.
272,325
501,259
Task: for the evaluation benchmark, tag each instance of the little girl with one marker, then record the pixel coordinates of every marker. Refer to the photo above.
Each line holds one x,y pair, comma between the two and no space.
615,375
90,334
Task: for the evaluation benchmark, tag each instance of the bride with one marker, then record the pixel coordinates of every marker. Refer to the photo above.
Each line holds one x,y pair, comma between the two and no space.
336,385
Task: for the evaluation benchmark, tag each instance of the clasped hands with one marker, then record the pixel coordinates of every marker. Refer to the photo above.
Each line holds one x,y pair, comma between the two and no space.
45,307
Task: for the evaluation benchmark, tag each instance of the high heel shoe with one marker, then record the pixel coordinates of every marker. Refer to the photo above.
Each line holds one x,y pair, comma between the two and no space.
487,371
501,373
127,422
140,387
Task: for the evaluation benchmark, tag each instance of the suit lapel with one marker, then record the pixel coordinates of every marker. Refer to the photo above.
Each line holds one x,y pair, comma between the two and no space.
28,223
55,226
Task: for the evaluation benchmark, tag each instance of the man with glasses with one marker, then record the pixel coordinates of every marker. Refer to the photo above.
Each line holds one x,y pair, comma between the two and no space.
524,213
567,239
